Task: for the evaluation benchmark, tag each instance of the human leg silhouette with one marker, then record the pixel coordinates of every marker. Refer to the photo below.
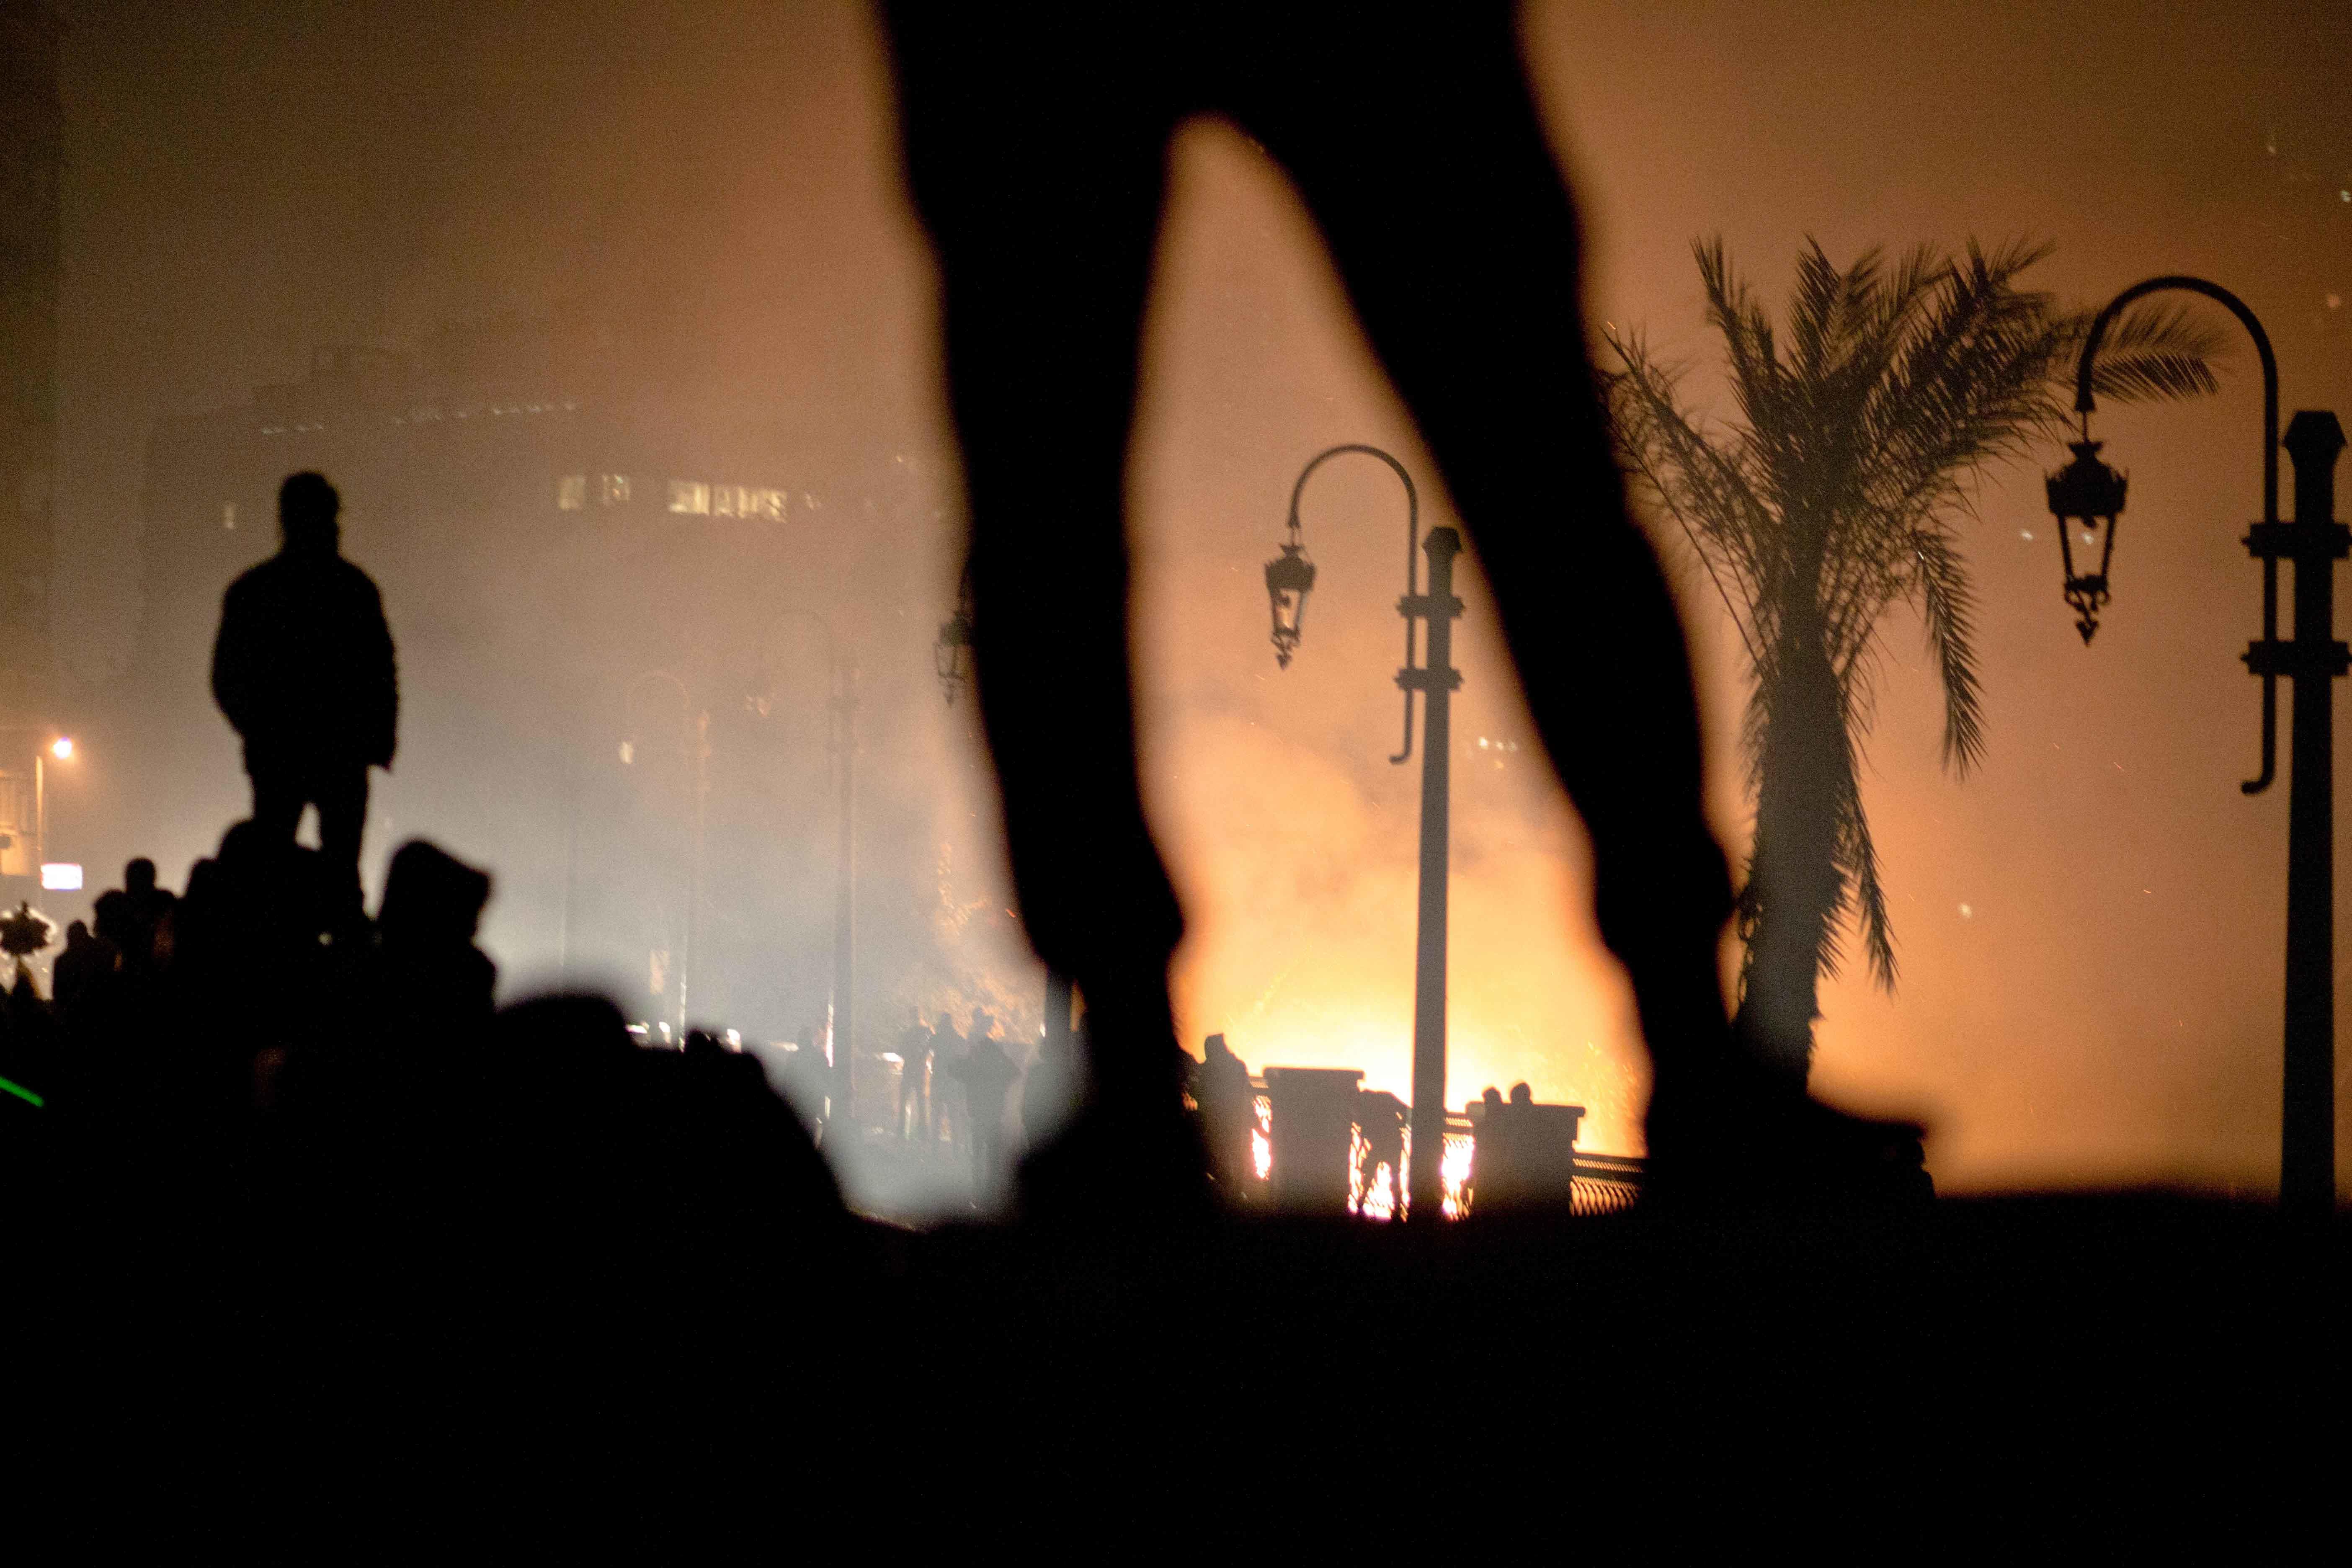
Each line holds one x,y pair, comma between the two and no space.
278,797
1042,204
340,791
1035,139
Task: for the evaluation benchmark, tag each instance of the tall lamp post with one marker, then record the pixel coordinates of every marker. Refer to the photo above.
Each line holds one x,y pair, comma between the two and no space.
2088,495
61,748
841,676
1289,577
951,661
698,752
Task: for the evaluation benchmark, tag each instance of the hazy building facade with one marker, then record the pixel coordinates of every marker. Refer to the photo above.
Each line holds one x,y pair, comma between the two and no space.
576,571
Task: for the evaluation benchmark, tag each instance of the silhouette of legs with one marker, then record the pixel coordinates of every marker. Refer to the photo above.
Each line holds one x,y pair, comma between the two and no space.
278,797
340,794
340,791
1035,142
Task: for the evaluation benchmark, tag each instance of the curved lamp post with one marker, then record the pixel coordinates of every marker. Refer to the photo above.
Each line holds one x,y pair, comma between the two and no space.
1289,577
2088,495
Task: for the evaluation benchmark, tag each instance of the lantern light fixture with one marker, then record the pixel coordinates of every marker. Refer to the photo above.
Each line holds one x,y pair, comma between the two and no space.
1289,578
2088,495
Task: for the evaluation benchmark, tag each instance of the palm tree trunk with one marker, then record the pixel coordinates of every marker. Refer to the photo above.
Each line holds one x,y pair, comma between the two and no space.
1795,883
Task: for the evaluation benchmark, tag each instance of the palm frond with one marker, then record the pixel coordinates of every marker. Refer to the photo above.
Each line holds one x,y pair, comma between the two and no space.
1859,859
1948,607
2155,351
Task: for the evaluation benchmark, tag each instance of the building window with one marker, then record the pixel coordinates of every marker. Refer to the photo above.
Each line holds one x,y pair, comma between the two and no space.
228,517
768,504
690,496
722,499
612,490
572,492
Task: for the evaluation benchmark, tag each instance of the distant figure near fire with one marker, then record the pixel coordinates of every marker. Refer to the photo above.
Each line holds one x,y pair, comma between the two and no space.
304,670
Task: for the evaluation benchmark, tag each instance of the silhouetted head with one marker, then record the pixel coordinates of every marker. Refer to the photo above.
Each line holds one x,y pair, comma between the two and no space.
112,914
566,1027
431,897
308,506
983,1024
76,934
139,877
1492,1097
1522,1095
1214,1046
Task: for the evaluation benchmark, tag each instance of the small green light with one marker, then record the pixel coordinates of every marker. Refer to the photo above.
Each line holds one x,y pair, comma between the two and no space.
21,1092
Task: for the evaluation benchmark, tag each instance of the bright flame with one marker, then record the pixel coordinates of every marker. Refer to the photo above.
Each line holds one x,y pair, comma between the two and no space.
1453,1170
62,748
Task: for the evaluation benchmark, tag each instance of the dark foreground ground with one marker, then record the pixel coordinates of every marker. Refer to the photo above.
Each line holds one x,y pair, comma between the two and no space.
306,1248
2098,1371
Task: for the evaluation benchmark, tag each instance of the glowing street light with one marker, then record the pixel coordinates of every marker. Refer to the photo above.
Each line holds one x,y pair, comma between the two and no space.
61,747
1289,578
2087,494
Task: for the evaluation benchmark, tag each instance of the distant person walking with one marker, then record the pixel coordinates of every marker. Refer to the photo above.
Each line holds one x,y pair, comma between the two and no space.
304,670
987,1074
946,1105
913,1077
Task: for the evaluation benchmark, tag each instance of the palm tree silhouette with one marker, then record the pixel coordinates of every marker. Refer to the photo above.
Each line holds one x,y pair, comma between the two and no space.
1839,491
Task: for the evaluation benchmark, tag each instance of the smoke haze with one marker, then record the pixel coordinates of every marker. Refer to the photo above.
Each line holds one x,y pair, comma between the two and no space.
2090,927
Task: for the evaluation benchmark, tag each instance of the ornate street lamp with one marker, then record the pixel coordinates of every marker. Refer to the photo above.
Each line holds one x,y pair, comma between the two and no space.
2089,491
2088,495
1287,579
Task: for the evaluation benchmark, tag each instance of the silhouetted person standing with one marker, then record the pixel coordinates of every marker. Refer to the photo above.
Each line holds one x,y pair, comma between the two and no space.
303,668
946,1107
914,1076
1490,1158
85,962
150,910
987,1073
1228,1114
